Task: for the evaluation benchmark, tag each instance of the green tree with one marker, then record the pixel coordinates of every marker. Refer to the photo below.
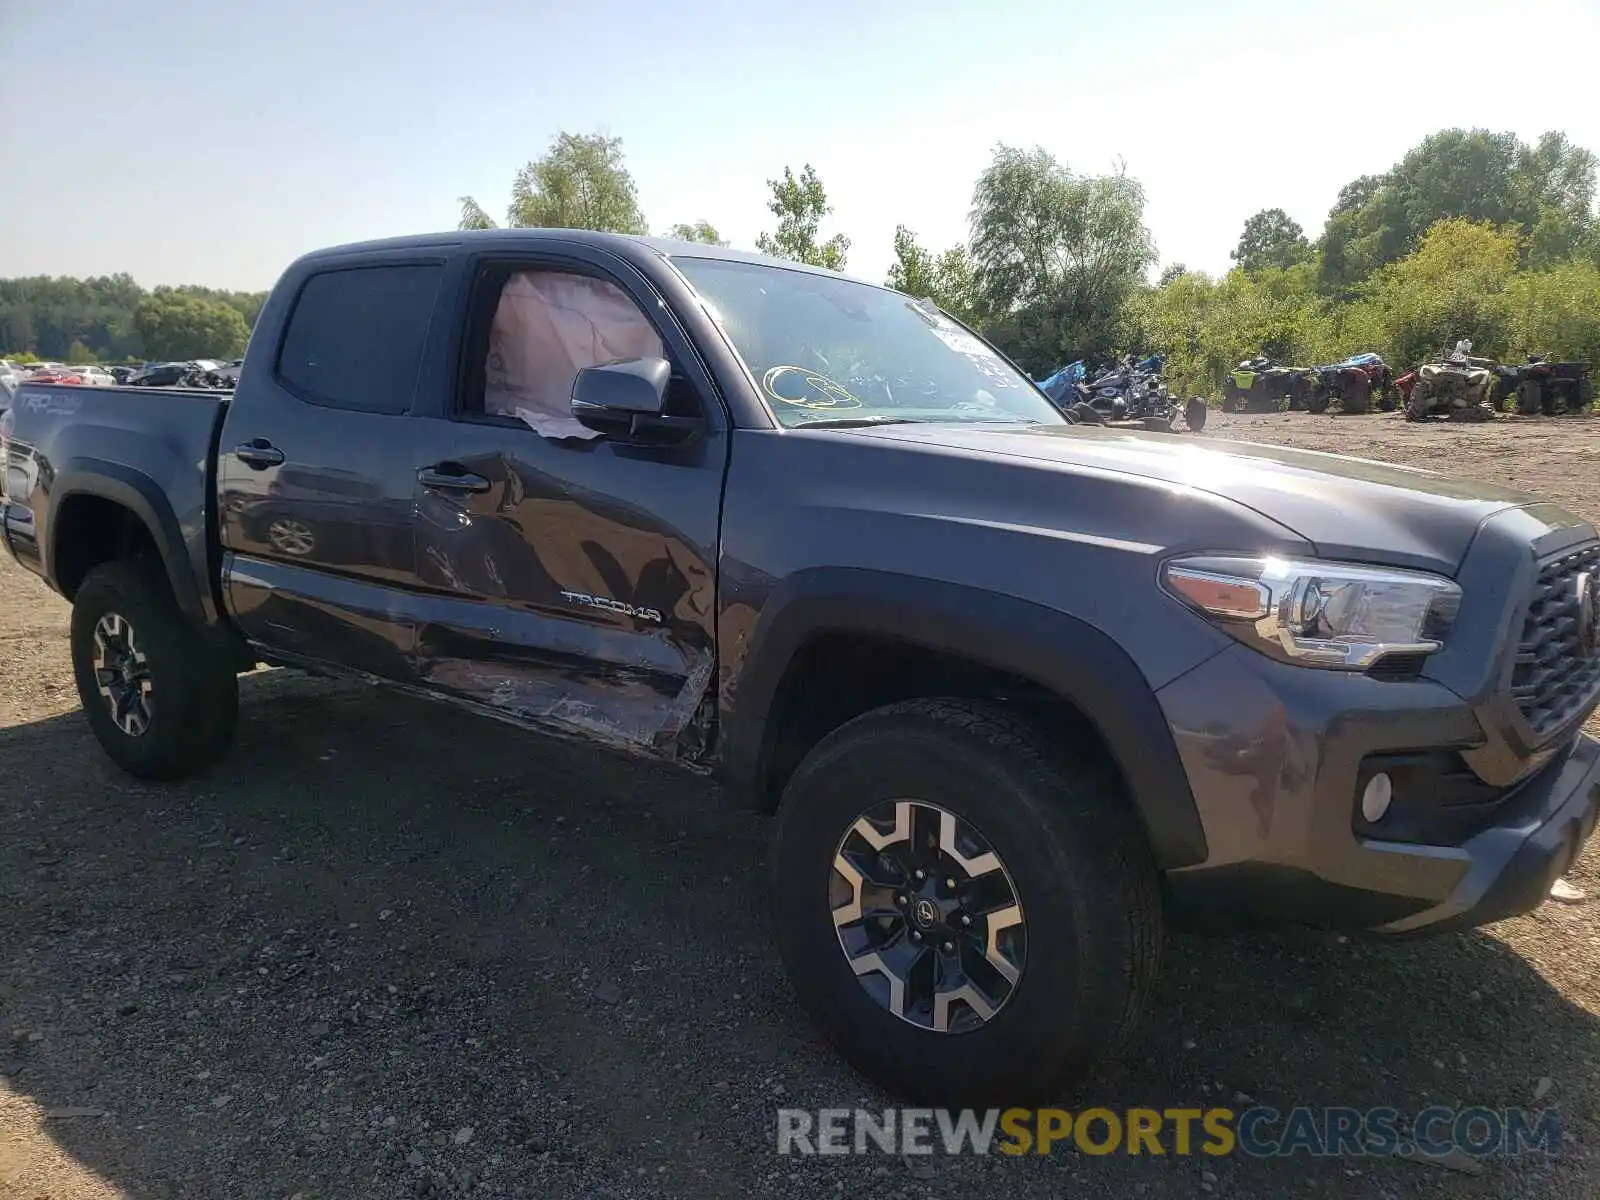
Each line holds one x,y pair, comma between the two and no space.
946,278
1547,189
1171,272
582,182
80,355
1056,256
1271,239
176,326
699,231
800,204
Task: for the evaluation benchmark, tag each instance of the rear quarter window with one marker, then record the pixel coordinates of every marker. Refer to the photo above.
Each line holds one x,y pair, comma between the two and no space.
355,336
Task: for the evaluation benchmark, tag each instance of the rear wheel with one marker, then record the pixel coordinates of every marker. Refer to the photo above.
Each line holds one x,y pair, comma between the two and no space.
1388,399
1357,398
970,916
1195,413
1530,398
1317,401
161,698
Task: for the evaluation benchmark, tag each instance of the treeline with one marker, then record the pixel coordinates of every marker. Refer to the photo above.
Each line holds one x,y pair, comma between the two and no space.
1473,234
112,319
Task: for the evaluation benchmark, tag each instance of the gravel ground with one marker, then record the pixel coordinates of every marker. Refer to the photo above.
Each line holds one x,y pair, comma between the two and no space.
387,950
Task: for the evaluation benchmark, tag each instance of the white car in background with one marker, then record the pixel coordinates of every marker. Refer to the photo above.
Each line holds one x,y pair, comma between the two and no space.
94,376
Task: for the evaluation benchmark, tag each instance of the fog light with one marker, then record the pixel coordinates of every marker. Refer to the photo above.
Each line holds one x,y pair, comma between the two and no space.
1375,800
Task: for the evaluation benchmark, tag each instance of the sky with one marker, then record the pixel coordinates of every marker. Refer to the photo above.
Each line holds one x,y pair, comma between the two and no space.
213,141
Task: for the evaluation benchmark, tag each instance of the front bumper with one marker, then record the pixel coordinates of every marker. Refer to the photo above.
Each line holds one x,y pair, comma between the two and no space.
1275,776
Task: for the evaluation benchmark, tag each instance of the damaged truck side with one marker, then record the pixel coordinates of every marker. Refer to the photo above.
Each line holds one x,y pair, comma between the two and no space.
1016,689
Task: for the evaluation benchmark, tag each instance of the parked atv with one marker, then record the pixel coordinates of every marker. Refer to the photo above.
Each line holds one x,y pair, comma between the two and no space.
1544,388
1261,385
1132,391
1456,386
1352,383
1062,386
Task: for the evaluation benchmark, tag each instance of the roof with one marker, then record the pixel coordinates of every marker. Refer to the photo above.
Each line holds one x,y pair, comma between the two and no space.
509,238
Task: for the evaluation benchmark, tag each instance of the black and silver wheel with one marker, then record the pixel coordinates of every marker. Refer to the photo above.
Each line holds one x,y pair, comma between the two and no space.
160,696
927,916
122,674
969,915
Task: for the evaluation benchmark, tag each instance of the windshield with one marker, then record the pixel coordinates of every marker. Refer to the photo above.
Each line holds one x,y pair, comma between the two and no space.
825,349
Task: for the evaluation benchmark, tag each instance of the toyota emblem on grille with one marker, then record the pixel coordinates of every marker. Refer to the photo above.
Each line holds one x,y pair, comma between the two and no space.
1588,616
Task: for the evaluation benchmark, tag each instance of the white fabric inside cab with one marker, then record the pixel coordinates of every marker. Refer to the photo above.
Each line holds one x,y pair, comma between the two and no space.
548,327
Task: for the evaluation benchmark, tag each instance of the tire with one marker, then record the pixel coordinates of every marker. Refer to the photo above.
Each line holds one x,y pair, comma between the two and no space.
1417,404
1357,399
1530,398
1071,858
1317,402
1585,394
1195,413
188,688
1388,399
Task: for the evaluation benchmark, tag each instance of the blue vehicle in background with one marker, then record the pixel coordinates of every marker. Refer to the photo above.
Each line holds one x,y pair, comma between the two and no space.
1129,390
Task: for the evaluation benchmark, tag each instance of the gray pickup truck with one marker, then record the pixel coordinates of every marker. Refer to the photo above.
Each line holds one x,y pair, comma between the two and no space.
1018,690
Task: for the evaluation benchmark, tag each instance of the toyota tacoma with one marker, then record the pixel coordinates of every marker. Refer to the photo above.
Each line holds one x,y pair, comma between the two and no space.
1017,690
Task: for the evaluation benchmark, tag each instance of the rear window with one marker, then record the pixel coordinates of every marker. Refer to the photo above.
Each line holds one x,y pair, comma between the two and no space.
355,337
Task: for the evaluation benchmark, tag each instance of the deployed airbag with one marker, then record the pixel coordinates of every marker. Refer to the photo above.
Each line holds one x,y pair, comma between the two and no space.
549,326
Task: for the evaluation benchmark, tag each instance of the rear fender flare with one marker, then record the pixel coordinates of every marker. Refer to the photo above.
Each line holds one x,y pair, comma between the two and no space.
140,495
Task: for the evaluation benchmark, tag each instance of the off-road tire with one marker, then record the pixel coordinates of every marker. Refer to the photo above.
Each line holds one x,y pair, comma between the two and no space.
1530,398
1417,404
1356,400
1065,834
1388,398
193,701
1195,413
1317,402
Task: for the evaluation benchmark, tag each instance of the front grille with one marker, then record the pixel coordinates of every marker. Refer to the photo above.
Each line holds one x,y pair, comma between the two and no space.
1554,679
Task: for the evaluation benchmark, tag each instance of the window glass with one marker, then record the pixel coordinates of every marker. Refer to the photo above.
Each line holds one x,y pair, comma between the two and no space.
355,338
548,326
823,348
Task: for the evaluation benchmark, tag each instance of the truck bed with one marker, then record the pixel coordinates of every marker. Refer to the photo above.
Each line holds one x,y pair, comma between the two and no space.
157,446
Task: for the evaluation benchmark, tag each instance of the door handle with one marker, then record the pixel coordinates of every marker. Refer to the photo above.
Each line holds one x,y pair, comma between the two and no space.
455,480
258,454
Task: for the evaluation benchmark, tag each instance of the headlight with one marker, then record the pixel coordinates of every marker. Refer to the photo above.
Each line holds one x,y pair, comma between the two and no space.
1319,614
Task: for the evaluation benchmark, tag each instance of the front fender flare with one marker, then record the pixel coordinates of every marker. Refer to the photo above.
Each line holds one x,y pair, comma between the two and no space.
1070,657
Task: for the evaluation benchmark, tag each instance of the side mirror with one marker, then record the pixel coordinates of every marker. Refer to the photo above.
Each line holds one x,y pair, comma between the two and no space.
625,399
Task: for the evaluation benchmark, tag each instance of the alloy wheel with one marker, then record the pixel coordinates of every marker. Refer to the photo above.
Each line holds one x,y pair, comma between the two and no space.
122,675
291,536
927,916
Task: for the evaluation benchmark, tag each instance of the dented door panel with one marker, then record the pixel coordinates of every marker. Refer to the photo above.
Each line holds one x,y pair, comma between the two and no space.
578,591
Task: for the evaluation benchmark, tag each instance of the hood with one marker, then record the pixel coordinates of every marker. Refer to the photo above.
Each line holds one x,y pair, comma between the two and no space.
1349,508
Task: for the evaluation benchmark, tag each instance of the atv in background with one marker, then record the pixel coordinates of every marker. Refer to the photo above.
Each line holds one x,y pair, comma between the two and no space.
1352,383
1544,388
1062,387
1261,385
1126,392
1456,386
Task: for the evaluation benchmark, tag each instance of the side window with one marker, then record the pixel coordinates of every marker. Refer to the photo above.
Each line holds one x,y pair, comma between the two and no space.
547,326
355,337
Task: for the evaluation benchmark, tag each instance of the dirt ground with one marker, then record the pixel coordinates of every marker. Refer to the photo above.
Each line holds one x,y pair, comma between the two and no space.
387,950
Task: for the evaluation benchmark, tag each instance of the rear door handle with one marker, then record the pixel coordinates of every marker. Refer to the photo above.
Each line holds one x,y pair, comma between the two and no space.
259,454
445,479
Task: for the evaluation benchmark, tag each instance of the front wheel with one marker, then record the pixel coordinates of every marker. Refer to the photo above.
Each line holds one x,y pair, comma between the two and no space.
160,697
970,916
